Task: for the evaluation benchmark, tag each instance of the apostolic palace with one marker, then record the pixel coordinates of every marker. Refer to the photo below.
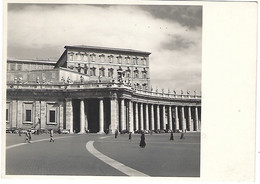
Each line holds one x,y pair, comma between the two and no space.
96,90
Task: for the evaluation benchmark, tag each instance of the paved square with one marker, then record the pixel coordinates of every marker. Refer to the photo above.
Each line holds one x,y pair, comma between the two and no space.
68,155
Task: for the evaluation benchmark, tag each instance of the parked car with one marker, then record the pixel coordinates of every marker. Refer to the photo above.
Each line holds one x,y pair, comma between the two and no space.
64,131
33,131
23,131
8,130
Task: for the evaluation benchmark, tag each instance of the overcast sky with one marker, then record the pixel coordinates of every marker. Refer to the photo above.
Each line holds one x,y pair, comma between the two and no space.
173,34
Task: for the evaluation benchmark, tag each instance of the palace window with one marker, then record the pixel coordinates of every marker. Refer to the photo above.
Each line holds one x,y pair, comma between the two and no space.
79,68
28,115
102,72
128,73
78,56
93,57
144,60
144,74
127,58
27,112
93,71
102,58
52,116
110,72
85,69
52,109
85,57
111,58
135,60
7,113
136,73
119,59
70,56
12,66
19,67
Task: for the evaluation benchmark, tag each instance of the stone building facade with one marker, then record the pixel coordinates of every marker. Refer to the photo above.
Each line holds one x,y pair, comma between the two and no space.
94,89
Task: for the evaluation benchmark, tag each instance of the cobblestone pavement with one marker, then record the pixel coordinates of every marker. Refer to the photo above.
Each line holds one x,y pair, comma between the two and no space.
68,155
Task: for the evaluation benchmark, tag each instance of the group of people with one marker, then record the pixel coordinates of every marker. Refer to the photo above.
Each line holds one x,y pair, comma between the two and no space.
28,136
142,143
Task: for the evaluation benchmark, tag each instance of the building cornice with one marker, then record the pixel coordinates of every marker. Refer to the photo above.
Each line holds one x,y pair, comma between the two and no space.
107,49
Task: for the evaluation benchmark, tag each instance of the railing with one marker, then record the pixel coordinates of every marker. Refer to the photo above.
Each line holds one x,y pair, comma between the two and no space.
90,85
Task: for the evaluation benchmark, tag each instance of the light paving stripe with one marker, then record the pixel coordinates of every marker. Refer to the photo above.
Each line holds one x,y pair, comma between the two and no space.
104,137
40,140
117,165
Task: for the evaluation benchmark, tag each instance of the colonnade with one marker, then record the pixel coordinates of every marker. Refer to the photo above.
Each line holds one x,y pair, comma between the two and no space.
128,115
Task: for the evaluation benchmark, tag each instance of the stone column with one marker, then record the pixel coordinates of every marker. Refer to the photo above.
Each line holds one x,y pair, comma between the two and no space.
69,115
122,119
37,115
183,119
114,113
82,117
43,115
163,118
158,117
136,116
189,119
170,117
19,114
146,117
176,118
196,119
101,116
131,117
86,116
141,117
13,114
152,117
61,115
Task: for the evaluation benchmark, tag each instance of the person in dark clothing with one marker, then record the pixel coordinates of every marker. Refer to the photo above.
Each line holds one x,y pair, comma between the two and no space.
142,142
182,135
116,133
130,136
171,138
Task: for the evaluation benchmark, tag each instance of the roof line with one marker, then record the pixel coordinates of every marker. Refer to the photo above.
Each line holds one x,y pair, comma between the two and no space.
107,48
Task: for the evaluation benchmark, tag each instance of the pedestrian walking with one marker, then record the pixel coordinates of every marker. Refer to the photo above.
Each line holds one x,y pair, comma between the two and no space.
171,138
28,136
182,135
19,132
116,133
130,136
142,142
51,136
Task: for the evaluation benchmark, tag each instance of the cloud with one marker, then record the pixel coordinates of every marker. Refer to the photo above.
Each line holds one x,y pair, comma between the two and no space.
42,31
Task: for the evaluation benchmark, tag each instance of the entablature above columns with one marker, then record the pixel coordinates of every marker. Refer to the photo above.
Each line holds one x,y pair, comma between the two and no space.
97,92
